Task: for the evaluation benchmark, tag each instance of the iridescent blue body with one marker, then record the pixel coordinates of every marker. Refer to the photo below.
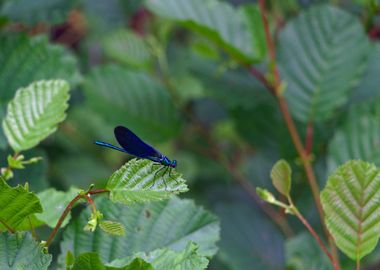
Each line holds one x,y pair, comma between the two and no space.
133,145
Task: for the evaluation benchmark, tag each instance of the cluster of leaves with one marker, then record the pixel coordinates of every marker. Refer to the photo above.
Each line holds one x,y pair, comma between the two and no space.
179,76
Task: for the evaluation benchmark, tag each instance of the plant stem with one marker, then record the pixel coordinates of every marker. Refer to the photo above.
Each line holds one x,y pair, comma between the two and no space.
9,228
276,88
67,211
315,235
309,138
357,264
298,214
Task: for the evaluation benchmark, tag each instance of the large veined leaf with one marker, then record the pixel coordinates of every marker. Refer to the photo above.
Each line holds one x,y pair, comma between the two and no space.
20,251
37,11
369,85
21,59
238,31
359,138
142,180
172,223
127,48
315,63
133,99
350,201
163,259
53,204
303,252
35,112
16,204
241,247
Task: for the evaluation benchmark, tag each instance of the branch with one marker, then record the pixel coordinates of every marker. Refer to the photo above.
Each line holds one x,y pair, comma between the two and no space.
319,240
67,211
291,125
9,228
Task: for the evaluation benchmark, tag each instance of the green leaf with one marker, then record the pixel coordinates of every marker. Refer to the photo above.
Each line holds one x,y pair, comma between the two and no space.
91,261
303,252
358,138
172,223
350,201
142,180
163,259
58,63
281,175
16,204
20,251
369,85
37,11
88,261
315,65
35,112
53,204
238,31
128,48
112,227
240,246
124,96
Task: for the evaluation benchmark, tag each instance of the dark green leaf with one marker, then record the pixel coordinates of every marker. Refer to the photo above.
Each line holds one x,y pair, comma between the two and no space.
20,251
170,223
315,63
238,31
303,252
124,96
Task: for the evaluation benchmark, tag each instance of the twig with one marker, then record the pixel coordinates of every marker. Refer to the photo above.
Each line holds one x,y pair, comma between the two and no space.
315,235
9,228
309,138
292,128
67,211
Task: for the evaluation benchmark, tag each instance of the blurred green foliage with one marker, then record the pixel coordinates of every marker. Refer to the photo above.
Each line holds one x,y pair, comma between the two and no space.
175,72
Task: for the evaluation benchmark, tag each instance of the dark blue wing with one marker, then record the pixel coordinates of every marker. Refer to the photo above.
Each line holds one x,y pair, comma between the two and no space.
134,145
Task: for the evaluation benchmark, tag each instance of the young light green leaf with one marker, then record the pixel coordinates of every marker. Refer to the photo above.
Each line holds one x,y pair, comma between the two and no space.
230,28
128,48
112,227
265,195
16,204
172,223
21,251
350,201
163,259
281,175
140,180
314,62
35,112
53,204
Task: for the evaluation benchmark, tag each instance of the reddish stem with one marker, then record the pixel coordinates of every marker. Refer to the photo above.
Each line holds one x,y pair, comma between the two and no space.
292,128
67,211
319,240
309,138
9,228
